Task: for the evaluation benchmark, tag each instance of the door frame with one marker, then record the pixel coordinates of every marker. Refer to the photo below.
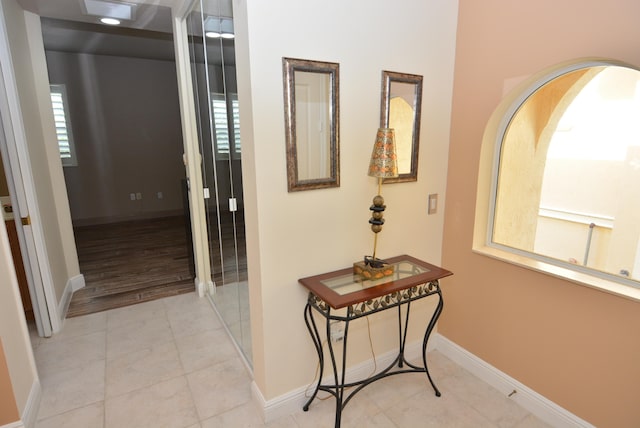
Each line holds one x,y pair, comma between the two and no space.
22,189
192,157
23,195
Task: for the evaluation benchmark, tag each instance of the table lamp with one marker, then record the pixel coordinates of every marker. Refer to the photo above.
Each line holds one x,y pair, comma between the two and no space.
383,164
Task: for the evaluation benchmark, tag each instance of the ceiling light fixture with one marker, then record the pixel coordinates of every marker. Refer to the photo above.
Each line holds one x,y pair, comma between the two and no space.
110,21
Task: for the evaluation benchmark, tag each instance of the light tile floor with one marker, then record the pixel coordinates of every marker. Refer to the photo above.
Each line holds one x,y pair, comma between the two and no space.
169,363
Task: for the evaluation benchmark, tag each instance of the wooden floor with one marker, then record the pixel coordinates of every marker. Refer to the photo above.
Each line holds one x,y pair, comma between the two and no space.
137,261
131,262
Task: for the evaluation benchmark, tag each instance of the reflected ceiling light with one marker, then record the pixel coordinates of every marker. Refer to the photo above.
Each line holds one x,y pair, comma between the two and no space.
110,11
216,27
110,21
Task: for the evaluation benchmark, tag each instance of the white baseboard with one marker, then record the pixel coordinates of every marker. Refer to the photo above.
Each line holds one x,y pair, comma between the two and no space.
541,407
73,284
17,424
30,412
293,401
202,287
77,282
535,403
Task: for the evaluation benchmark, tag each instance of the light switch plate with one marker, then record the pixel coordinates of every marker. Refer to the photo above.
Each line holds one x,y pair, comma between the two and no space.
433,204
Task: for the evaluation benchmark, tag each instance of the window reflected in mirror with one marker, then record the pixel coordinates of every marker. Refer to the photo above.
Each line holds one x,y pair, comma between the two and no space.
568,183
400,110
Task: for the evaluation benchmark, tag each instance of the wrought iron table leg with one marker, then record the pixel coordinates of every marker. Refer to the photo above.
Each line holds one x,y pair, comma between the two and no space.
430,327
339,384
402,333
315,337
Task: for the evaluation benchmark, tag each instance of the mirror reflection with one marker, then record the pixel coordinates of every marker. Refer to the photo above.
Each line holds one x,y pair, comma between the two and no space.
213,75
313,95
400,110
311,123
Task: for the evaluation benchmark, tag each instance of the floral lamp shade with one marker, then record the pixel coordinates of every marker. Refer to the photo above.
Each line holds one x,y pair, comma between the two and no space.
384,161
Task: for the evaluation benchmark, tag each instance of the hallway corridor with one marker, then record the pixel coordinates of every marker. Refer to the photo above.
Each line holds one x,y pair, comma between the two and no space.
170,363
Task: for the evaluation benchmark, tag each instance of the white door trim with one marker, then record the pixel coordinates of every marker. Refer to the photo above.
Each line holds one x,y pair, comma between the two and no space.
25,235
192,156
36,258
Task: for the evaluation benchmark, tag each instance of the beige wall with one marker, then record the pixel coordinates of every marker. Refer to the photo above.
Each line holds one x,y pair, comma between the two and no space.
13,333
574,345
126,125
293,235
25,39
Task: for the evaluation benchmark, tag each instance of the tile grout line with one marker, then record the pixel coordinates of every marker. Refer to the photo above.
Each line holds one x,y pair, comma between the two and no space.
184,372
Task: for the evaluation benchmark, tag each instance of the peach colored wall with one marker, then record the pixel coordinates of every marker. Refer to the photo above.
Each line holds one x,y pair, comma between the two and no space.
575,345
8,409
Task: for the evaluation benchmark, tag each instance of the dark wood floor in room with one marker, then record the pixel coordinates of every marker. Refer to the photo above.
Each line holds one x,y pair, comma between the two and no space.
131,262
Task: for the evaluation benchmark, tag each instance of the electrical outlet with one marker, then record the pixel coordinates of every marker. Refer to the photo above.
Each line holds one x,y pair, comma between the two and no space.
138,196
132,196
160,195
337,331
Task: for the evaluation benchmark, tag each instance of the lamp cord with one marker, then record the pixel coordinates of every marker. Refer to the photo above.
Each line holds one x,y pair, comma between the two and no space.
324,342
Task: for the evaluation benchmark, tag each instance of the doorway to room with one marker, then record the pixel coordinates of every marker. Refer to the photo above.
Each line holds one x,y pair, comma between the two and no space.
122,120
126,181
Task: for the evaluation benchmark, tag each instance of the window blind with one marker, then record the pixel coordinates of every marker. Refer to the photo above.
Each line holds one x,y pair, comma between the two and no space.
61,120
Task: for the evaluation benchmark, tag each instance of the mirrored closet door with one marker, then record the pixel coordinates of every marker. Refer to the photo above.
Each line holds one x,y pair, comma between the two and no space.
212,54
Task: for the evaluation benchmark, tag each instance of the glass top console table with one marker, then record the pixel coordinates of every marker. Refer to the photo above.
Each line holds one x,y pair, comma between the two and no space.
412,279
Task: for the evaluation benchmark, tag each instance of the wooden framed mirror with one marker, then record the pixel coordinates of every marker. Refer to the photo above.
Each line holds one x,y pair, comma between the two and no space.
400,110
311,115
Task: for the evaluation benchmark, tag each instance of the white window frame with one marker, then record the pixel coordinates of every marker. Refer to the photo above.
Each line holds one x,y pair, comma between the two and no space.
487,193
69,159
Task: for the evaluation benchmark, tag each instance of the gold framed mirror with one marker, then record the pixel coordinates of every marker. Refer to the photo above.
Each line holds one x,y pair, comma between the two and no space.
400,109
311,115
